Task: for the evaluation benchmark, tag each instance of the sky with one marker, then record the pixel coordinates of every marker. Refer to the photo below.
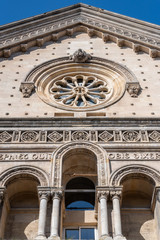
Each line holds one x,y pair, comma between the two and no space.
13,10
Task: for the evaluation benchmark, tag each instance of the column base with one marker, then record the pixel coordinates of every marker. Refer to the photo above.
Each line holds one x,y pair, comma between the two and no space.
54,238
119,238
40,237
106,237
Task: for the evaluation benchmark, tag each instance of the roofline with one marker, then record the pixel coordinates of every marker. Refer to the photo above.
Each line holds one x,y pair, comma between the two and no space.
35,31
74,6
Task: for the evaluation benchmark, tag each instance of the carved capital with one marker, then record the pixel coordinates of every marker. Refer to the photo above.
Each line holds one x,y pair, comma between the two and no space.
116,192
44,192
158,194
27,88
102,194
2,193
80,56
57,194
133,89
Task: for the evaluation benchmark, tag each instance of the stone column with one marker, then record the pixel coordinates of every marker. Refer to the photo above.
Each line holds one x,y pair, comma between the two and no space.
2,190
103,196
2,221
157,211
43,196
116,195
55,218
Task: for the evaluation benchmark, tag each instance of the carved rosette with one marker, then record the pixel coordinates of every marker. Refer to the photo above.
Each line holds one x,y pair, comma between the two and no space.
27,88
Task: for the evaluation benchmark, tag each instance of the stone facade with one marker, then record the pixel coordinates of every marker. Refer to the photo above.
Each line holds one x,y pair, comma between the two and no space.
80,121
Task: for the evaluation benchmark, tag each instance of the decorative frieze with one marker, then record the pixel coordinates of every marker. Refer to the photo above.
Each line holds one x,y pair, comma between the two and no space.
112,156
115,156
62,136
96,26
25,156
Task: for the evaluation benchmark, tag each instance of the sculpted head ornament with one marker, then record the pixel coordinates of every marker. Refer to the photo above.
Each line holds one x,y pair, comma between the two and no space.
80,56
26,88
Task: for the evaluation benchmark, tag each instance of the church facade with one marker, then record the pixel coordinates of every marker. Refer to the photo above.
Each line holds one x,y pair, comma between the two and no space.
80,127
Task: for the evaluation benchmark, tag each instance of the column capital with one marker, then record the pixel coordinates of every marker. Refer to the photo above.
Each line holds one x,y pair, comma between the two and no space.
2,193
157,193
44,192
116,192
102,194
57,193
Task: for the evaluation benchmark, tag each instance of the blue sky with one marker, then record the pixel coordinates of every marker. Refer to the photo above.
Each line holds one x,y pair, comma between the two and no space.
13,10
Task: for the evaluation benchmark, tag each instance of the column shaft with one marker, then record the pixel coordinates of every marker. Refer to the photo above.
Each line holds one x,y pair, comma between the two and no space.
55,217
2,217
42,216
43,196
104,216
117,216
157,213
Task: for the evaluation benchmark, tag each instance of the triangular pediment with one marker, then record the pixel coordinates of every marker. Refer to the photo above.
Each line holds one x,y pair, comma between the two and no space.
51,26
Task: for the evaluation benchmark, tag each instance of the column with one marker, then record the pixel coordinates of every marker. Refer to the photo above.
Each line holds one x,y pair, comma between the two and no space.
103,196
2,218
43,196
116,195
55,218
157,211
1,196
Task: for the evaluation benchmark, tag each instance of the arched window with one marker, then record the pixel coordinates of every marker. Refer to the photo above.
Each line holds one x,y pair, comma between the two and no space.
80,194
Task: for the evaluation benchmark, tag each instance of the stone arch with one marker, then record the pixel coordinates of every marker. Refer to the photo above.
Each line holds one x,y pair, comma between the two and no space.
36,74
56,174
135,169
24,170
44,79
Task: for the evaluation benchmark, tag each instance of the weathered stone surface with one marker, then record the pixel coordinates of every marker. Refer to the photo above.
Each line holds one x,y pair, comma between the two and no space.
71,114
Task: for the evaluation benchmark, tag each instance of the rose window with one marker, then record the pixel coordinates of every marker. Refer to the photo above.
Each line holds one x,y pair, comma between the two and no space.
80,91
80,86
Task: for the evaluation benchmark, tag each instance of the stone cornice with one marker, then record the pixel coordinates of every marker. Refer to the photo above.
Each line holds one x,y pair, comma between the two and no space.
136,123
35,31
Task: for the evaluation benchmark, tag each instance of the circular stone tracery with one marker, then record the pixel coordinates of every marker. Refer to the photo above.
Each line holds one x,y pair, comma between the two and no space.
79,87
80,91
